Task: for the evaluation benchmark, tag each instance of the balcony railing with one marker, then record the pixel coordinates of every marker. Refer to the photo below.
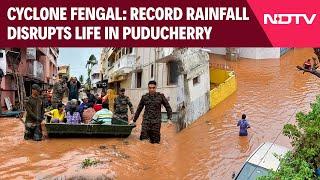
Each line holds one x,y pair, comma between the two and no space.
123,65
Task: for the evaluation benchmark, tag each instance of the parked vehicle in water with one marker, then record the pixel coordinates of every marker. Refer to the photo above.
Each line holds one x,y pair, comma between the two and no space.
261,161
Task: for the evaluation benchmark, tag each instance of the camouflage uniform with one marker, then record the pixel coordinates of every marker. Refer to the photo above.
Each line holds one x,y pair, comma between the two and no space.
121,107
35,111
151,123
57,94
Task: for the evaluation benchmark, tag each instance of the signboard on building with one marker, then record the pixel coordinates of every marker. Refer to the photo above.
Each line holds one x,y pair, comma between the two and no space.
31,53
3,61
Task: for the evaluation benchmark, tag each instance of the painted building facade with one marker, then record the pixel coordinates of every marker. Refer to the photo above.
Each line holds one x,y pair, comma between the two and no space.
26,66
64,70
181,74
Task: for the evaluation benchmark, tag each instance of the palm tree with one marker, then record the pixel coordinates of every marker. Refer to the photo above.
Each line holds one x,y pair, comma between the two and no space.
81,79
90,63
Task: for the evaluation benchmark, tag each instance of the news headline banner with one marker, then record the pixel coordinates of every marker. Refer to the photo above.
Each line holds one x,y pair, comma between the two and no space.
116,14
117,23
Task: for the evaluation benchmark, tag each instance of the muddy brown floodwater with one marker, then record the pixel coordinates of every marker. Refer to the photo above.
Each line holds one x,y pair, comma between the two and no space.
269,92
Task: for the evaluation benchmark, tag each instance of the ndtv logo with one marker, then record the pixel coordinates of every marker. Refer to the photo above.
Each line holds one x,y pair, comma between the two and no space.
288,18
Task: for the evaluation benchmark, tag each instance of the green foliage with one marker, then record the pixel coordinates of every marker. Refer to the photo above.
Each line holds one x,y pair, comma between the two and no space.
305,139
90,63
81,79
89,162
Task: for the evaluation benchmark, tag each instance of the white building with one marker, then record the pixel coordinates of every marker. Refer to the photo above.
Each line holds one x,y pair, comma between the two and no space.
95,75
254,53
181,74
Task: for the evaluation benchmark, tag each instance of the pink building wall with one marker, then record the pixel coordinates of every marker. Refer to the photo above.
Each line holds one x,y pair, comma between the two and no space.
8,84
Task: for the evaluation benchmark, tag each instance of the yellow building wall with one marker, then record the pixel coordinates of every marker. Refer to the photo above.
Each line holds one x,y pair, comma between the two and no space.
218,76
227,86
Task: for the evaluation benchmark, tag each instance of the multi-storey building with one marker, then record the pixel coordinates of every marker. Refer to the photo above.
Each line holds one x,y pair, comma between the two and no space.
24,67
181,74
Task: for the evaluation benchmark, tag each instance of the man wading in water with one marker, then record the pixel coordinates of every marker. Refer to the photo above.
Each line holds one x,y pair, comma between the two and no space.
244,125
35,111
121,104
151,122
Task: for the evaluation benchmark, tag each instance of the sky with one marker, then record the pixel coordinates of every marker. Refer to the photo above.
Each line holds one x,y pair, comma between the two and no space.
77,59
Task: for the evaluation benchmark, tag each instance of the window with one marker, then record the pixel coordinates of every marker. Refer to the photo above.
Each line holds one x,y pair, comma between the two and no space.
196,80
172,73
151,70
251,171
1,54
139,78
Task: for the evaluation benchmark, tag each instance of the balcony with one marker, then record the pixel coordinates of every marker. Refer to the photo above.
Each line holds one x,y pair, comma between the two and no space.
122,66
35,70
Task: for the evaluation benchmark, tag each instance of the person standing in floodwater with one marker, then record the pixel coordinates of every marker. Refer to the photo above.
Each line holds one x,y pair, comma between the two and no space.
151,122
35,111
244,125
121,104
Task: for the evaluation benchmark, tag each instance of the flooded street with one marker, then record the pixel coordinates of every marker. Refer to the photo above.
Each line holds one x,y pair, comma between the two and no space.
269,91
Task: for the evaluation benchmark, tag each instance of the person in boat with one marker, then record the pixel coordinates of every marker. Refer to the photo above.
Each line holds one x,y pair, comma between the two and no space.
91,97
35,112
57,115
98,99
244,125
85,103
98,104
121,104
104,116
59,89
151,122
74,86
103,94
307,64
109,99
73,115
88,114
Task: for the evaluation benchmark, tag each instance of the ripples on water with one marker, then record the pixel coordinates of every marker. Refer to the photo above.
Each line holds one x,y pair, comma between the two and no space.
269,92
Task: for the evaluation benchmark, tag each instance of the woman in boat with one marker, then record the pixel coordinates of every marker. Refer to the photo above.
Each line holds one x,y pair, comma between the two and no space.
88,114
109,99
98,104
73,115
57,115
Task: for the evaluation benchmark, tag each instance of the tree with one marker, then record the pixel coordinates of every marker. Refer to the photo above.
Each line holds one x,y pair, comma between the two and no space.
81,79
304,159
90,63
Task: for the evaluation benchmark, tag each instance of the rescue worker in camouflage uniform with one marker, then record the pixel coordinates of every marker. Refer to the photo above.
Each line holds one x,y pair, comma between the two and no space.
35,112
59,89
121,104
151,122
